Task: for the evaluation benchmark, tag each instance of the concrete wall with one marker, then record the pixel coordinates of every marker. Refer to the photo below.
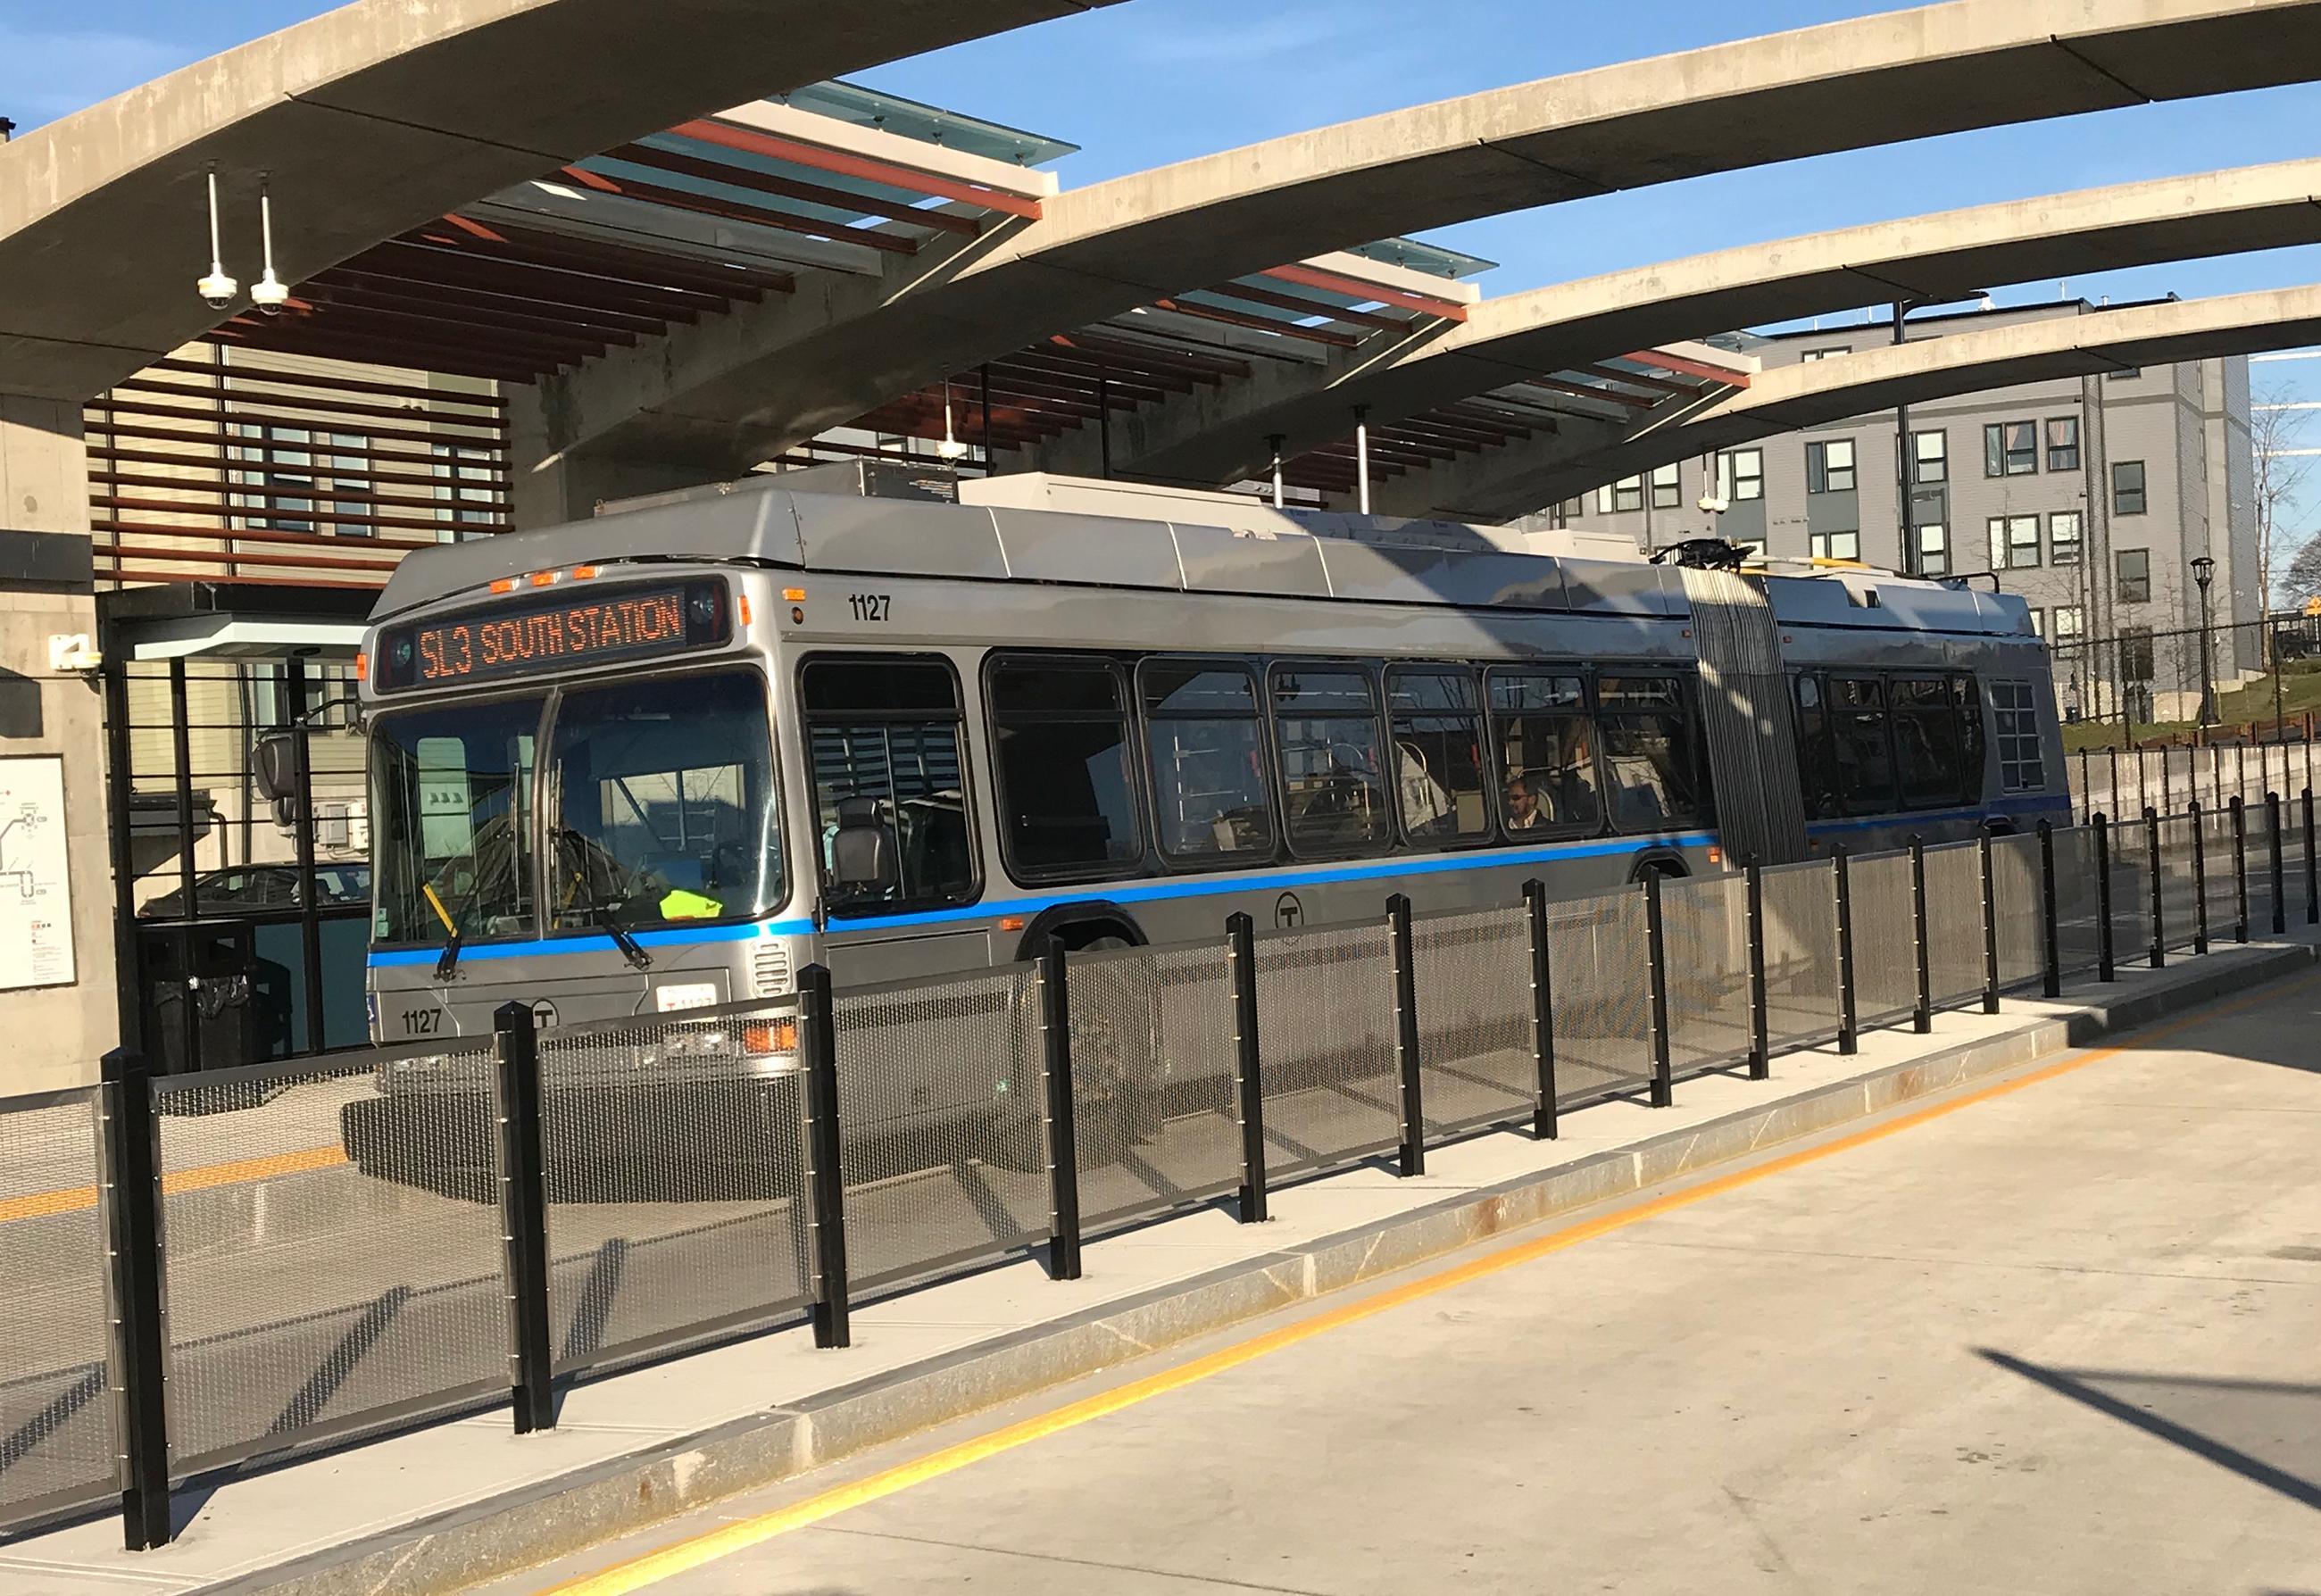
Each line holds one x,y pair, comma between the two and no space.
56,1035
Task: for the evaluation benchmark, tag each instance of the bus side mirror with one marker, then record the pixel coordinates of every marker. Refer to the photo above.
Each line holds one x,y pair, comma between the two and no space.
274,766
862,852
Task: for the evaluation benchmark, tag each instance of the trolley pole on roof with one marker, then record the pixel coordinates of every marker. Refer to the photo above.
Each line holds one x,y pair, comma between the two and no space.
1362,454
1275,442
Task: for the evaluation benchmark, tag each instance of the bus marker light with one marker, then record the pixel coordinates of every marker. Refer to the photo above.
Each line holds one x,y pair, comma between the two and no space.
745,610
1716,854
542,579
583,573
363,667
505,584
1012,922
794,594
764,1037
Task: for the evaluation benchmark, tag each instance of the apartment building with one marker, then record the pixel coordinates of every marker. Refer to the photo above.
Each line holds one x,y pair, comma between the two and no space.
2091,496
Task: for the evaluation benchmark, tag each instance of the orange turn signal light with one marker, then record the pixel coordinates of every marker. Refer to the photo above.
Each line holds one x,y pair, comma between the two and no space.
505,584
760,1036
363,667
582,573
542,579
794,594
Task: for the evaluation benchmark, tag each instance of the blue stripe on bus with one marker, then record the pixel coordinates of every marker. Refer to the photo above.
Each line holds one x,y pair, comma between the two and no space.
1121,893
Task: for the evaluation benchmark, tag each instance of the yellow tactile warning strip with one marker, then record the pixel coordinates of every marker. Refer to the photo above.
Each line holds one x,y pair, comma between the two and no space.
686,1556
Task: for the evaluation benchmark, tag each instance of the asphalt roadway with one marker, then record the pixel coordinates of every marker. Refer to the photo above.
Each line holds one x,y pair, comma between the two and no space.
2054,1336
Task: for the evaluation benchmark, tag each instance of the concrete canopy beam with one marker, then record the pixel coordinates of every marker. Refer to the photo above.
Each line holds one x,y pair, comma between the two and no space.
1102,251
1215,436
373,118
1512,481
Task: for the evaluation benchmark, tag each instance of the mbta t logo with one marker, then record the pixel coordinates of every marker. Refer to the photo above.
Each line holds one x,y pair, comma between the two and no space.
1288,911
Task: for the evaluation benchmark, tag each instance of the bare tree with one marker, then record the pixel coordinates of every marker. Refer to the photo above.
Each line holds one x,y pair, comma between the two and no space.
2302,580
2275,430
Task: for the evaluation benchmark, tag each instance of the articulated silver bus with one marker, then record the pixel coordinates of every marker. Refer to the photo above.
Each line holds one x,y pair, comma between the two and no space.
663,759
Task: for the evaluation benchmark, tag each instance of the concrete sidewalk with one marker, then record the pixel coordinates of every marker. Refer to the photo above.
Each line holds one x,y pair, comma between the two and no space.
440,1508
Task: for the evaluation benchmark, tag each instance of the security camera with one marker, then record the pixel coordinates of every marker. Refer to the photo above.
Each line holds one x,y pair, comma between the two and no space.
270,292
218,290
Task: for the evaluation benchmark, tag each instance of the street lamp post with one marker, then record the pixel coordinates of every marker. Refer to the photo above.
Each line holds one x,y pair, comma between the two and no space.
2203,571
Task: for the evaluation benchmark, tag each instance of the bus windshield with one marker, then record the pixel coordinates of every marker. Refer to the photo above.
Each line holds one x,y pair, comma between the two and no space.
661,804
659,810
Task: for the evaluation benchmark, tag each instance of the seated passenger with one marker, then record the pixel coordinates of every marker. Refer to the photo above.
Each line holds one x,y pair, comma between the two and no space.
1523,806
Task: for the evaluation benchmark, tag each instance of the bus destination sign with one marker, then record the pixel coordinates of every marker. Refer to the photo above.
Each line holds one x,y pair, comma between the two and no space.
576,630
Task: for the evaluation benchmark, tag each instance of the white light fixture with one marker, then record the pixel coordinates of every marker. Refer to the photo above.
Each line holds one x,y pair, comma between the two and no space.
217,289
269,292
950,448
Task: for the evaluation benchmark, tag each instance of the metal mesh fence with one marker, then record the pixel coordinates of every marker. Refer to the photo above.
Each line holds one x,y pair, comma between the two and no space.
1152,1078
2131,892
1326,1026
673,1161
1800,903
332,1252
2079,912
1954,922
939,1108
2222,884
1705,926
2019,905
1476,1055
2179,894
1884,939
58,1439
1598,964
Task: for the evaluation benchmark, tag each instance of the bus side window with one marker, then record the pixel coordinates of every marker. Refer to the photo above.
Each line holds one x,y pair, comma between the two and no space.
1863,742
1816,762
1648,751
884,738
1926,741
1545,746
2016,704
1067,790
1438,755
1966,697
1326,728
1211,800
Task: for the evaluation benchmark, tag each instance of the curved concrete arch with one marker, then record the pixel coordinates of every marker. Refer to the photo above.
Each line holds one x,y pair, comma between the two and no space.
1516,481
373,118
721,395
1217,435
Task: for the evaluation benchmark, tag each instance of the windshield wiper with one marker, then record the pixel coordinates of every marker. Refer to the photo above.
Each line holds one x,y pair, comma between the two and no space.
596,908
447,965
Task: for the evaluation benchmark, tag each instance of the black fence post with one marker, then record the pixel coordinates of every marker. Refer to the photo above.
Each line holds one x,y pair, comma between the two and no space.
302,796
1413,1161
2106,961
524,1215
132,1172
2312,867
2199,881
189,1028
1990,931
2280,883
1760,1044
2051,960
2239,812
1063,1142
1543,1011
1849,1037
826,1172
2158,932
128,979
1921,1018
1241,935
1656,959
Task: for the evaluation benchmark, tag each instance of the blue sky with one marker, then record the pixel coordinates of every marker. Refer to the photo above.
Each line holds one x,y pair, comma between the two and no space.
1152,81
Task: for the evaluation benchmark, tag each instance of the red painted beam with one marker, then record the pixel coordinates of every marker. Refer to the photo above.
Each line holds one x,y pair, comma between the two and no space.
1307,277
1678,364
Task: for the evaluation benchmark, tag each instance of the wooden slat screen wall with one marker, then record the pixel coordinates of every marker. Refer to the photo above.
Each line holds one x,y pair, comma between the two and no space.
275,469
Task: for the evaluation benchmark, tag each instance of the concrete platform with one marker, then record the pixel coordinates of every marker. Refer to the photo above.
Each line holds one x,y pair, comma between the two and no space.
461,1502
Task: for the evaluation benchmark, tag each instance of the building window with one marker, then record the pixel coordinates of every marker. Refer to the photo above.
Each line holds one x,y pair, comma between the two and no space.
1931,457
2038,622
1571,509
1837,545
1823,354
2013,542
2070,624
2064,444
1626,494
1934,550
1829,466
2063,537
2127,495
2134,574
1668,489
1741,475
2010,448
2015,707
2135,653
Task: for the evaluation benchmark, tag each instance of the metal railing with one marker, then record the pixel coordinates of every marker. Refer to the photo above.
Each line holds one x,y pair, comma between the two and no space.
255,1262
